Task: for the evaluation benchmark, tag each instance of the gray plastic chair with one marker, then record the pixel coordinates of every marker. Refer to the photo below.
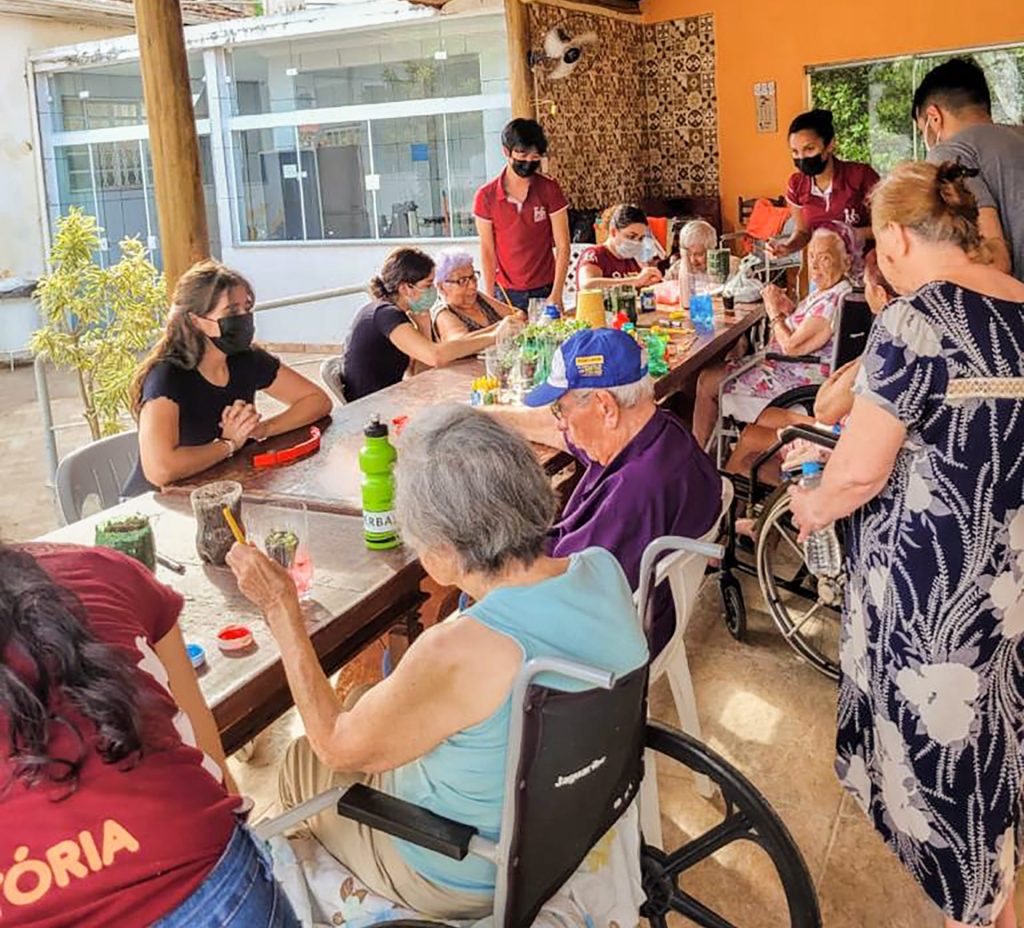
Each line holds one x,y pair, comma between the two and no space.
332,373
99,469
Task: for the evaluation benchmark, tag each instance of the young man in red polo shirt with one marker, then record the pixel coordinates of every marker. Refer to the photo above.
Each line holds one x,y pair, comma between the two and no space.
522,219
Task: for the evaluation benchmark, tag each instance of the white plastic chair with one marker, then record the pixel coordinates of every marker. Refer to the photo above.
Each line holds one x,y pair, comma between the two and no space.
332,373
99,469
684,570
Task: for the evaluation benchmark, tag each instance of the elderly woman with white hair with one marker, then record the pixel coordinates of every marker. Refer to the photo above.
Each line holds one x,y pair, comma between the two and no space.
476,507
462,307
696,239
797,329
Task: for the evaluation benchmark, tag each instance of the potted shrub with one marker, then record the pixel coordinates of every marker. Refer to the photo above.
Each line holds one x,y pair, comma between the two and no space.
98,321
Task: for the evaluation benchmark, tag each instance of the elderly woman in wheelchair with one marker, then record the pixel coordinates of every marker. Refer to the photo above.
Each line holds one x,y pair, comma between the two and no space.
476,506
499,770
800,351
805,609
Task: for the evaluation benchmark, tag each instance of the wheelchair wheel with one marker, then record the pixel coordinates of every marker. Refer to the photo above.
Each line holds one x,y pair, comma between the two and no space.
748,818
735,610
806,609
799,399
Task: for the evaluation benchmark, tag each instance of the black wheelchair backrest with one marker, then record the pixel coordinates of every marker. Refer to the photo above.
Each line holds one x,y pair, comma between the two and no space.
580,766
855,319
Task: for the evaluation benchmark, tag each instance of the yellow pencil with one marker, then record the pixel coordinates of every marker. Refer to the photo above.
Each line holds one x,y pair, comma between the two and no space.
233,525
508,301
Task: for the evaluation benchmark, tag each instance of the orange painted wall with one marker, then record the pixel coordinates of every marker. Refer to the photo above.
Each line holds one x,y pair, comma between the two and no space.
764,40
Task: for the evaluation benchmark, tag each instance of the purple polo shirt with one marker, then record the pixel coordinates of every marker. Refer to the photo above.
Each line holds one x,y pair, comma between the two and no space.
662,483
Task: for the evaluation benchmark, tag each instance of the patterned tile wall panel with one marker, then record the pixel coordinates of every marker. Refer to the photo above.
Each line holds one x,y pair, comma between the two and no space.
682,107
597,135
638,117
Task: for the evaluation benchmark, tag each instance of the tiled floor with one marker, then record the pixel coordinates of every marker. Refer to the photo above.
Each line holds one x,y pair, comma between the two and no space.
760,707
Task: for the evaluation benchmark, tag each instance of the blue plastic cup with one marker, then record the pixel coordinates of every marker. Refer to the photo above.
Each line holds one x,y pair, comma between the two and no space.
702,312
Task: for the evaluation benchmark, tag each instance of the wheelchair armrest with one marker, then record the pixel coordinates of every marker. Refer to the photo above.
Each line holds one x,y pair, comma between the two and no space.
809,433
405,820
793,358
790,433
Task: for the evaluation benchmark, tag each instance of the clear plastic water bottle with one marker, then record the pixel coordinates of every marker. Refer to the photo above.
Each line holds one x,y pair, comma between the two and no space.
821,550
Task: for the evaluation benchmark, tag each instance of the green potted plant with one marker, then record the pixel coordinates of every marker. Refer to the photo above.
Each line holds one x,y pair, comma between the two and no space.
97,321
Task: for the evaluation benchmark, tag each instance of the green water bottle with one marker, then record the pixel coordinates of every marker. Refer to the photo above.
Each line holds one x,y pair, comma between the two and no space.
377,462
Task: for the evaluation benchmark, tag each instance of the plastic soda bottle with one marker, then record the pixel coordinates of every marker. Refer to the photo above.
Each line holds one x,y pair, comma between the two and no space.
377,462
821,550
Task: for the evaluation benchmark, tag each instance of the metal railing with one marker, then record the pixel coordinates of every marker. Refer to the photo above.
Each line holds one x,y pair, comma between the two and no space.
43,387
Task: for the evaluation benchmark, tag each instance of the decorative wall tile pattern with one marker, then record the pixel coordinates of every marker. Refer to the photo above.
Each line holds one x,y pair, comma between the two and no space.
598,134
638,117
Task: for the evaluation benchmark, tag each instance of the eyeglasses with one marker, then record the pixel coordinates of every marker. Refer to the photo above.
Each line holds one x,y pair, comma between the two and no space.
559,412
464,281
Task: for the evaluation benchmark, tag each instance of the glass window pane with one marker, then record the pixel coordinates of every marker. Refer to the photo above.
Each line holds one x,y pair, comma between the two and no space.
422,61
871,102
409,158
870,106
101,98
120,190
271,206
467,157
209,195
338,205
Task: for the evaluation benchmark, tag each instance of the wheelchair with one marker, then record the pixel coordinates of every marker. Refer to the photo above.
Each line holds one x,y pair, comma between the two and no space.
576,767
805,609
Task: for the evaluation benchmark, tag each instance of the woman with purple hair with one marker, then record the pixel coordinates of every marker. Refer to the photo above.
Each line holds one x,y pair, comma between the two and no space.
461,307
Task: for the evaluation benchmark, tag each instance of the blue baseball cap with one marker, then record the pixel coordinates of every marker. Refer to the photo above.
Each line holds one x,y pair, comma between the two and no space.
589,360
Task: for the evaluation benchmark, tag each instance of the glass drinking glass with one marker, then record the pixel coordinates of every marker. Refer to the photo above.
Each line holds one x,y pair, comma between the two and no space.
281,530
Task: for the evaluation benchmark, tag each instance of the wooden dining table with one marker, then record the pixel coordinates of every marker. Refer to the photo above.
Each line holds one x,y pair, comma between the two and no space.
329,481
356,596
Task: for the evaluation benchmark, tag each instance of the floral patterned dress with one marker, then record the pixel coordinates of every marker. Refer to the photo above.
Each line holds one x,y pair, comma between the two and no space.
931,707
745,397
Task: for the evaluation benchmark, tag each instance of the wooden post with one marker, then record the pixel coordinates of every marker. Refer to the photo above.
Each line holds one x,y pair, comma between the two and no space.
173,145
520,81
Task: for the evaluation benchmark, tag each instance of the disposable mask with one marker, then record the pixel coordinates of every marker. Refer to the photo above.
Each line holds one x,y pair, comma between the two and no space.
525,168
811,166
627,248
424,302
929,145
236,333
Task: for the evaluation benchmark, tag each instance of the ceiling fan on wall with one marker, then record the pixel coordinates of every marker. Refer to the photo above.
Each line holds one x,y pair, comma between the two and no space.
562,52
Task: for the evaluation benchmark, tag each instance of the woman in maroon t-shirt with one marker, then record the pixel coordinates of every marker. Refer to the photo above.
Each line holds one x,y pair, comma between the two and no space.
617,262
824,190
113,800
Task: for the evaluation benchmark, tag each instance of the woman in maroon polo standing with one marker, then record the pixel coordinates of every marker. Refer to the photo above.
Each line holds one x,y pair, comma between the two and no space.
824,189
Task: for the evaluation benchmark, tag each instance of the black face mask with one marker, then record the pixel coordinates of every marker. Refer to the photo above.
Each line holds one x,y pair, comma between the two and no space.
811,166
236,333
525,168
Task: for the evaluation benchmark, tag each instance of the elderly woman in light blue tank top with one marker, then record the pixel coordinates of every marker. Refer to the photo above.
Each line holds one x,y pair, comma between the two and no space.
476,506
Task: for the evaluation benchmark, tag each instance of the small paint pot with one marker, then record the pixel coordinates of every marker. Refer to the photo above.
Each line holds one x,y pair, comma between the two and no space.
196,654
234,638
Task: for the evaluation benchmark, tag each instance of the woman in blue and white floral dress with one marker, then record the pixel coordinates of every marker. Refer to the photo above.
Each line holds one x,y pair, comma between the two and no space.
931,464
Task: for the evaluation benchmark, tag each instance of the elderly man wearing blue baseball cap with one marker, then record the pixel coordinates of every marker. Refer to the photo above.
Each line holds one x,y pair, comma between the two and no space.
644,474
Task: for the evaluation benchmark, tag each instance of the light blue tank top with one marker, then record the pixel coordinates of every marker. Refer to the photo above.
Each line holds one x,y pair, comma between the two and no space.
585,615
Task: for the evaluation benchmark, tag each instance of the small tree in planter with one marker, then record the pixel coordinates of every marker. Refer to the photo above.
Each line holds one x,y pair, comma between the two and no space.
98,320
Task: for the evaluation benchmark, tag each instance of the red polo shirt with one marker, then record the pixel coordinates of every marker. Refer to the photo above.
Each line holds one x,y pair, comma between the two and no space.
845,201
523,239
611,265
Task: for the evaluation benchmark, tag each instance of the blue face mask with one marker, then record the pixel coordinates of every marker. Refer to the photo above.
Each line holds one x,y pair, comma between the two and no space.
424,301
